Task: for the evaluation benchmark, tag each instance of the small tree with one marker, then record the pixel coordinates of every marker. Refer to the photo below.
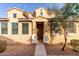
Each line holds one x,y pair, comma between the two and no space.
61,22
67,11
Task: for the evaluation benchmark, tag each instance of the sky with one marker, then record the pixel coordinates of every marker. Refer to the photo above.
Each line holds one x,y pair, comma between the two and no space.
30,7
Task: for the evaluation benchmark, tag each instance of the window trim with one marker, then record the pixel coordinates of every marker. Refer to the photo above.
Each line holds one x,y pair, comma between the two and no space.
27,28
4,28
15,29
41,13
14,15
54,27
68,27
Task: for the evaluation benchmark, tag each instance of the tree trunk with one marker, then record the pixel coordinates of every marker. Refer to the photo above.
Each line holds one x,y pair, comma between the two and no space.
65,37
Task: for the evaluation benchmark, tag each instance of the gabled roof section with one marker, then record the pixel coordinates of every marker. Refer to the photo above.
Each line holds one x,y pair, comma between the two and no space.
42,8
16,9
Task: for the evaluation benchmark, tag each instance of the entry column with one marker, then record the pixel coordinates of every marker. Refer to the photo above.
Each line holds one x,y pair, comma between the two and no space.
46,32
34,34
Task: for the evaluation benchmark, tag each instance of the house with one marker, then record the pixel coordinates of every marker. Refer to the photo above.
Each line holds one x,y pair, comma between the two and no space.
32,27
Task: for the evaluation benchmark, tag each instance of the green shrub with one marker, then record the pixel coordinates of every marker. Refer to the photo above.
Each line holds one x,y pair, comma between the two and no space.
75,44
76,49
3,45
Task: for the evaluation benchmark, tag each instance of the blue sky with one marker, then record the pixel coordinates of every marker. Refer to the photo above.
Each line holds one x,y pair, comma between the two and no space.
25,6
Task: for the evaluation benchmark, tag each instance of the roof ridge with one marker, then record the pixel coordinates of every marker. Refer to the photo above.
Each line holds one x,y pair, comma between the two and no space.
15,8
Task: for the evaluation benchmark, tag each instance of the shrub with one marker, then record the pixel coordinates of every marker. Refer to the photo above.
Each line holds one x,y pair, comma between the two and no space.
3,45
75,44
76,49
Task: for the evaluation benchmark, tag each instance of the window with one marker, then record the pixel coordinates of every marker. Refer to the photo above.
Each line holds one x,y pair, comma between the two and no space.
41,13
24,28
14,15
71,27
4,28
55,26
14,28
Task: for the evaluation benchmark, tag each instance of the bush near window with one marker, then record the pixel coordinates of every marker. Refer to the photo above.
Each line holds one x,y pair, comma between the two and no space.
75,44
3,45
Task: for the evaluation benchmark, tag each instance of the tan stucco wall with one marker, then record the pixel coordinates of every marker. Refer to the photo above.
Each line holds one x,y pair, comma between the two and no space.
60,38
77,27
20,38
10,15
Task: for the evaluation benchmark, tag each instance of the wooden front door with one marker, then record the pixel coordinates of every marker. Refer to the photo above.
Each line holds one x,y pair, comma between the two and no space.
40,28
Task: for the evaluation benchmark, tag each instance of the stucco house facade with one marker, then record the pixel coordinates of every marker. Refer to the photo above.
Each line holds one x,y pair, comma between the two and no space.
32,28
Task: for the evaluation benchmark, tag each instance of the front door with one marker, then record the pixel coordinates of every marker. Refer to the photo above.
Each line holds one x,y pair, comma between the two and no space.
40,28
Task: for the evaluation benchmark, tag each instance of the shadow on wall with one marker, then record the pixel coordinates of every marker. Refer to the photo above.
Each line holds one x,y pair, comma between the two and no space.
9,41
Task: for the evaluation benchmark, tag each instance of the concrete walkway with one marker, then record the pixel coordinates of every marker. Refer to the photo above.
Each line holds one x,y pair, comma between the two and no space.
40,50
